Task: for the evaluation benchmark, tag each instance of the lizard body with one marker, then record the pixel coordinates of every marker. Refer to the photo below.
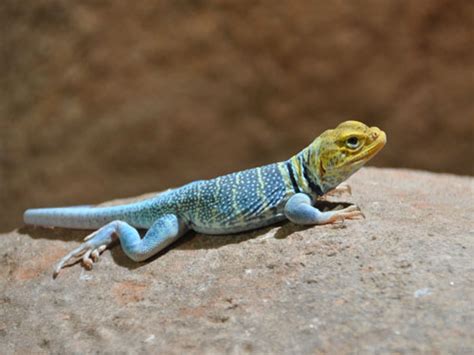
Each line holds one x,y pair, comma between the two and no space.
231,203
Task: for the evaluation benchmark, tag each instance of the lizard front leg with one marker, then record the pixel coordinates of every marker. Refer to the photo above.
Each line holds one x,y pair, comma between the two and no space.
163,232
299,210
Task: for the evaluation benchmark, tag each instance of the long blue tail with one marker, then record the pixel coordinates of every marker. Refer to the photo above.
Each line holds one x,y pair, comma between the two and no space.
88,217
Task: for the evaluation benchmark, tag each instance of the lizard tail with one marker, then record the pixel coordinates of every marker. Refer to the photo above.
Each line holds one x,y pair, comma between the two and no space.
87,217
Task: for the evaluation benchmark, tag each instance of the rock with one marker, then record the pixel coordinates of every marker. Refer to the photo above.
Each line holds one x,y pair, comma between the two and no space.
399,281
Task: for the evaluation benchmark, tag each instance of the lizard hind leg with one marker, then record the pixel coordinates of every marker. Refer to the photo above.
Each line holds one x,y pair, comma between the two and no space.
163,232
93,245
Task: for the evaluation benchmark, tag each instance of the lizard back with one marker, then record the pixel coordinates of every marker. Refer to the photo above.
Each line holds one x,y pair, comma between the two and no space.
236,202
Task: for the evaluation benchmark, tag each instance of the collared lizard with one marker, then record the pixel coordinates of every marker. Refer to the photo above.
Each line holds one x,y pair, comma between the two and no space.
232,203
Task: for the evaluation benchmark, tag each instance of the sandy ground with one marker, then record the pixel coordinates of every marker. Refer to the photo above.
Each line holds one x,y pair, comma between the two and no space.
400,281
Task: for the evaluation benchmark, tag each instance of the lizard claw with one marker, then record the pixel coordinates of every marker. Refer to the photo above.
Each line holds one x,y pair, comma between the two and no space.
96,253
351,212
87,262
92,256
73,254
89,251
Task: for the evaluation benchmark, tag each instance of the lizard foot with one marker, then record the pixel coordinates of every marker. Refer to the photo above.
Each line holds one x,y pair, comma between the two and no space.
89,251
92,256
351,212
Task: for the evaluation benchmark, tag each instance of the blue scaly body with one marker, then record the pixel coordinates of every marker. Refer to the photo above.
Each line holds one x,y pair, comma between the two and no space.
232,203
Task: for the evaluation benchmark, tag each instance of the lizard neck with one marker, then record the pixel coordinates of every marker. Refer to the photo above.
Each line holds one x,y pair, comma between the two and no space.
305,178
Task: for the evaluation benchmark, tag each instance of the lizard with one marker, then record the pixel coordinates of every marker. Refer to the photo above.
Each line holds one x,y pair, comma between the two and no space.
232,203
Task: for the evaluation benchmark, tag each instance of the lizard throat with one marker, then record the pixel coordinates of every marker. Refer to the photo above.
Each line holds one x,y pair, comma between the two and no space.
315,188
299,172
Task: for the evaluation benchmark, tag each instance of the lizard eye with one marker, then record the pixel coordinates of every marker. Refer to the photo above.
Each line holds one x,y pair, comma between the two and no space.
352,142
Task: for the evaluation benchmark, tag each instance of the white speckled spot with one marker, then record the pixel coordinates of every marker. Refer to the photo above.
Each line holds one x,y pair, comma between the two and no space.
422,292
150,338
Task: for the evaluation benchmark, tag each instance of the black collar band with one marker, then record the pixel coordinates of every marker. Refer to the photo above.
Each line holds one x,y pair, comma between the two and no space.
312,185
292,177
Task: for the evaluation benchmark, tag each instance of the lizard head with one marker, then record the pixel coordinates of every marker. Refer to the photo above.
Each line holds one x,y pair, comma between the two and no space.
338,153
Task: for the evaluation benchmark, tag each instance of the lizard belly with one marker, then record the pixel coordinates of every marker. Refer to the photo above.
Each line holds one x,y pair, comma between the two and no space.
237,225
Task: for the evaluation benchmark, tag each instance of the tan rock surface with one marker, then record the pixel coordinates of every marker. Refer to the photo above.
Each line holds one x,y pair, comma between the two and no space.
399,281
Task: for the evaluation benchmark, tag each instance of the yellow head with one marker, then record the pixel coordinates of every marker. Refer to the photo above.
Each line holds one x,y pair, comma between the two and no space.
338,153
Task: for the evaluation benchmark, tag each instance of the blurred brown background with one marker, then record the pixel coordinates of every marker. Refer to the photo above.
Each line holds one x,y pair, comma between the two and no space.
104,99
